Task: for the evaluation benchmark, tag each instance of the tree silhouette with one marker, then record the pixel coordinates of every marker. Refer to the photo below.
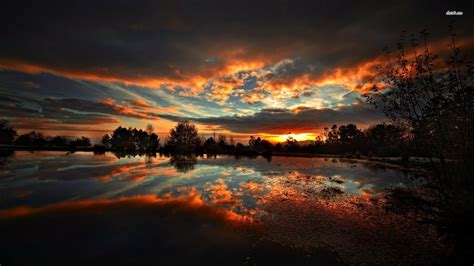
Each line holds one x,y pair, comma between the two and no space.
385,135
140,138
32,138
222,141
57,141
149,129
153,142
291,144
331,135
210,145
7,133
81,142
350,134
132,139
260,145
183,138
435,104
106,141
433,98
122,139
387,139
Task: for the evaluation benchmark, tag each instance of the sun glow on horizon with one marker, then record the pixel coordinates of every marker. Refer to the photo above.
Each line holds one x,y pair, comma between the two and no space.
298,137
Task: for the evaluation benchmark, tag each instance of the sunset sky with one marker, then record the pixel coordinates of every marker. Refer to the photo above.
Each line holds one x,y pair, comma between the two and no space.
243,68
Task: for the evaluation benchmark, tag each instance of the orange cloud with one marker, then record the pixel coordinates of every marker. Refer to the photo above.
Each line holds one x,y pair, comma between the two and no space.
253,97
104,75
358,77
222,80
220,194
108,101
138,108
117,171
140,103
51,127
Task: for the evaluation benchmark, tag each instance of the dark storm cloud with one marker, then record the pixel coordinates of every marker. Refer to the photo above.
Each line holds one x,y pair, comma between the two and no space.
286,49
135,40
44,115
67,111
282,120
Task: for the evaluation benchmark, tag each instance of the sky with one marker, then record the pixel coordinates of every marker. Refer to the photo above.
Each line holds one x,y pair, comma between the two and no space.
241,68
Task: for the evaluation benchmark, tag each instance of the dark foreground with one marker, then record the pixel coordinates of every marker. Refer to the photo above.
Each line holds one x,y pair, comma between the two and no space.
85,209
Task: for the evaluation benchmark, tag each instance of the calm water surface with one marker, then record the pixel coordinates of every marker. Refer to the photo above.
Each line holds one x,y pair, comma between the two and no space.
59,208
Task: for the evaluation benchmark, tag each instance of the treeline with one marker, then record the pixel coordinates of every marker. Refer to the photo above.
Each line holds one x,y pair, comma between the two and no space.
378,140
9,136
122,139
132,139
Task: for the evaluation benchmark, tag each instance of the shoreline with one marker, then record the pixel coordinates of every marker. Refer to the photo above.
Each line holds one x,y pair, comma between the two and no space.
419,162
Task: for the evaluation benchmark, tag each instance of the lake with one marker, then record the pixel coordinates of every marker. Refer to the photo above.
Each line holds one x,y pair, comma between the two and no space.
81,208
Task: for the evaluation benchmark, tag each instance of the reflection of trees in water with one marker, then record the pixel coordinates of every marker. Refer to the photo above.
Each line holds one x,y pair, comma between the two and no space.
149,156
6,155
183,163
268,157
249,156
99,152
132,154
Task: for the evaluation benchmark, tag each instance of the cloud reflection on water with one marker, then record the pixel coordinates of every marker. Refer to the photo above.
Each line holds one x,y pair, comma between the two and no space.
304,203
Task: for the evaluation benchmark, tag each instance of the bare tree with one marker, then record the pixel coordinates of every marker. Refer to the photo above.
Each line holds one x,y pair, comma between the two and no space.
149,129
432,98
